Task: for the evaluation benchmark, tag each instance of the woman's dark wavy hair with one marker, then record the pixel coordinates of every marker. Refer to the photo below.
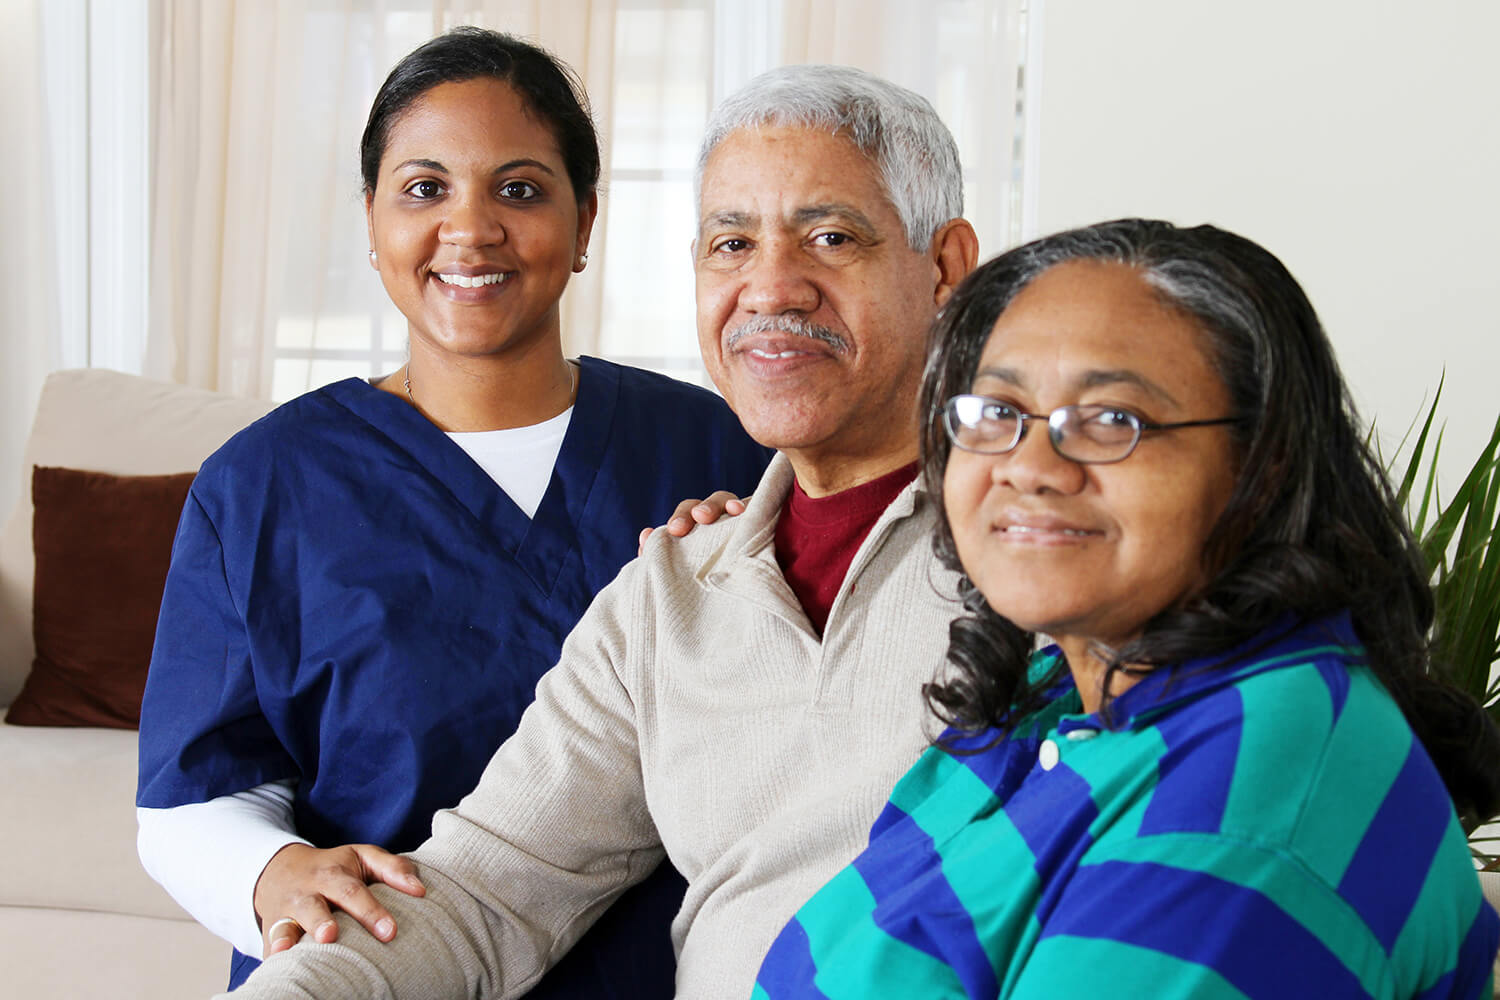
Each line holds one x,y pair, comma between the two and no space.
547,85
1312,527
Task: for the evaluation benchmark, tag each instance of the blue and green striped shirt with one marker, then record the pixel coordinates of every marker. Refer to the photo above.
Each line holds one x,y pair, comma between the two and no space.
1260,825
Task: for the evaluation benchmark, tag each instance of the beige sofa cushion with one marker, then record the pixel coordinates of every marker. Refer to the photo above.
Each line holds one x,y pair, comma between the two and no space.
107,422
68,825
64,953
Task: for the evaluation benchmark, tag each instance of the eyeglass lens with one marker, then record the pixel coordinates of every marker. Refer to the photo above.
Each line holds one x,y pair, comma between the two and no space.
1079,433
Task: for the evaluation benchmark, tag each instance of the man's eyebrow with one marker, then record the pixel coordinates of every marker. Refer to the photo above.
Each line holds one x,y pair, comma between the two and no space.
804,216
845,213
727,219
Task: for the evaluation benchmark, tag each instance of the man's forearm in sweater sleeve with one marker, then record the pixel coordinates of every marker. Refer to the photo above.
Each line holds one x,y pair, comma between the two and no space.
556,829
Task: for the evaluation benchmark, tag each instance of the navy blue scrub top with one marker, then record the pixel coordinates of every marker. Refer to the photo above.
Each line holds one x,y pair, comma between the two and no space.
353,603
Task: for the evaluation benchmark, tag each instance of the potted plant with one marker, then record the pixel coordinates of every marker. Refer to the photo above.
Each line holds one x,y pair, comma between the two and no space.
1461,540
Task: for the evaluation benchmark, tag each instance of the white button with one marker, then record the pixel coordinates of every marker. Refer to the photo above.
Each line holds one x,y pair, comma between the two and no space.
1077,735
1047,755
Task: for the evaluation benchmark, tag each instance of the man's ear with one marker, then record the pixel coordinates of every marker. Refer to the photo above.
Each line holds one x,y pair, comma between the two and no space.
954,252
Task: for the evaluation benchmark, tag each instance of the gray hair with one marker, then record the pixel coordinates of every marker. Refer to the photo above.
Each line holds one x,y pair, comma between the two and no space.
911,148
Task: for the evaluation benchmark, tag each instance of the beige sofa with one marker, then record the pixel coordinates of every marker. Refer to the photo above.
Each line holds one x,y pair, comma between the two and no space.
78,916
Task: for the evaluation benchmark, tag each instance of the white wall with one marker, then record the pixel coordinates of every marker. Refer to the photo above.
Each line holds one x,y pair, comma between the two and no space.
1359,140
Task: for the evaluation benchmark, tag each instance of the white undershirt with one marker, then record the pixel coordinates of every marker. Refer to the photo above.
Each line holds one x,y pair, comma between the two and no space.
209,855
519,459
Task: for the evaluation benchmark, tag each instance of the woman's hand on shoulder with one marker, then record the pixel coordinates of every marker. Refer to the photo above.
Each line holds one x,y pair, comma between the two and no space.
302,885
691,512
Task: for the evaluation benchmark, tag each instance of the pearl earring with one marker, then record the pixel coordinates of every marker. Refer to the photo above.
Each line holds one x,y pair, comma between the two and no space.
374,261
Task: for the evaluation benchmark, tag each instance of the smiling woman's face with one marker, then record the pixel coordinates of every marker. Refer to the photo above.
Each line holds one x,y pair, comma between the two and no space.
474,222
1092,552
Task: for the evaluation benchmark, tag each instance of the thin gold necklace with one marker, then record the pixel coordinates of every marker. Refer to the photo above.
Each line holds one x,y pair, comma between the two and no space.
406,383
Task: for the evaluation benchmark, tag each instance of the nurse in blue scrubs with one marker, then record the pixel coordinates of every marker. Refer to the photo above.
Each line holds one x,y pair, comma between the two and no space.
367,583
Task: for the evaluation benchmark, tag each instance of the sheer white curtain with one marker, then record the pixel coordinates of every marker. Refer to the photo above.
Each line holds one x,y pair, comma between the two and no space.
29,273
220,153
259,279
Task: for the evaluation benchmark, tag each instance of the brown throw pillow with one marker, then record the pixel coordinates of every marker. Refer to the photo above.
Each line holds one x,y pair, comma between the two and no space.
102,544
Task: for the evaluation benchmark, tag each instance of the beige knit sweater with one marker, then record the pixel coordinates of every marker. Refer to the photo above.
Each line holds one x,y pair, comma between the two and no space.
693,710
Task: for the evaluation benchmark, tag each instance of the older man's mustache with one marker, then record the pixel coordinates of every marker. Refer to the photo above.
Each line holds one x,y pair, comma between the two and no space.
786,323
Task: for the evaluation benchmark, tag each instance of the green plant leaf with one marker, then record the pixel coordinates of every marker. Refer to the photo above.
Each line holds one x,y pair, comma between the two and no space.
1414,462
1460,540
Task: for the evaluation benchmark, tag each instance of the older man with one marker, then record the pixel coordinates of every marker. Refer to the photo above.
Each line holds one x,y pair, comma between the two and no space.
740,700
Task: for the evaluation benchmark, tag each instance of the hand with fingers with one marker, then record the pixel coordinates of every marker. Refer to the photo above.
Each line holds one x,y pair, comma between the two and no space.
691,512
302,885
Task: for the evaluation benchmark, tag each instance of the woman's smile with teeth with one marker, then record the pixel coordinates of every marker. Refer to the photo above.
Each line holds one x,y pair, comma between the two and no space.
1025,529
467,281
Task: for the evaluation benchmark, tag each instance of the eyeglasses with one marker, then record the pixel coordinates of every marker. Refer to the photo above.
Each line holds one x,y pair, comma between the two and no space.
1091,434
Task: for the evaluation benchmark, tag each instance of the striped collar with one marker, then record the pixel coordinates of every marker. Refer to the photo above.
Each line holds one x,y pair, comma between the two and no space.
1288,642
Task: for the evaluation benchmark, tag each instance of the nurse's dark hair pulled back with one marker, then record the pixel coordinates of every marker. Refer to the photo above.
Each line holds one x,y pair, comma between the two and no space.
547,85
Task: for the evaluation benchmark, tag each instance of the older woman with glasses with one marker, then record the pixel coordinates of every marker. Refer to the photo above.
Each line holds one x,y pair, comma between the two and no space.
1231,772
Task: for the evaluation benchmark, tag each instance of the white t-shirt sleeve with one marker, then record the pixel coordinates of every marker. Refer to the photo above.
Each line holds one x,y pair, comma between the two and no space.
209,855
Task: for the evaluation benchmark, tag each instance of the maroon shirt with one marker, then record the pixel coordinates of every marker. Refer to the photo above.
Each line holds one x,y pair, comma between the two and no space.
816,538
